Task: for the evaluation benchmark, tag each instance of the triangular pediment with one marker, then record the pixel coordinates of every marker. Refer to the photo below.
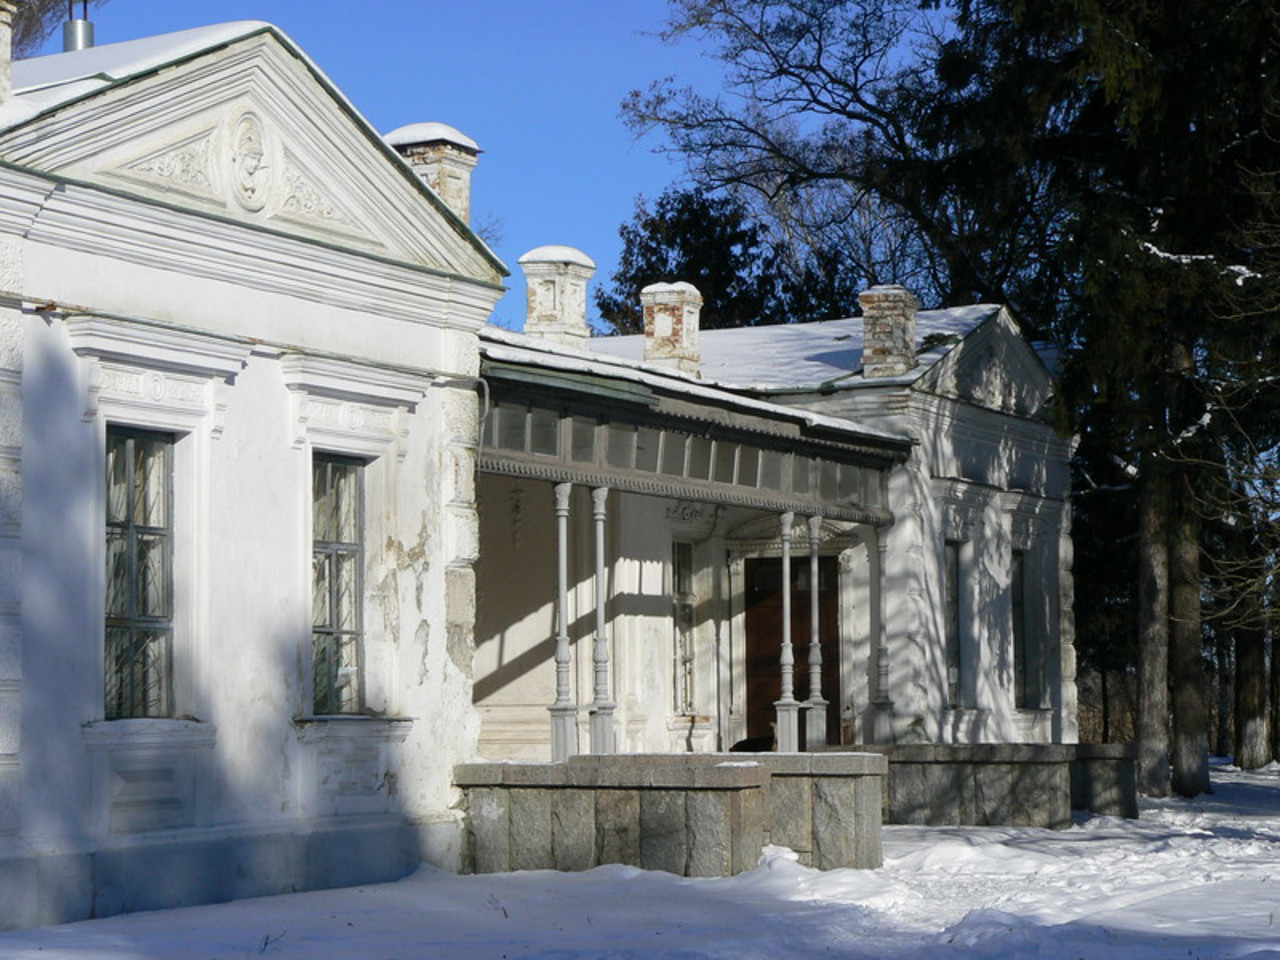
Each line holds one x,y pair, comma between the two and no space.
250,131
993,367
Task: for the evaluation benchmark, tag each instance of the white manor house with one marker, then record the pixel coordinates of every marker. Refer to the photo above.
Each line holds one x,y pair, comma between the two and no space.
287,532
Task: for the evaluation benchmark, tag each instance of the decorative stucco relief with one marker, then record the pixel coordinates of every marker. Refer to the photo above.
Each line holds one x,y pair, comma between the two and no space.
253,172
186,166
241,164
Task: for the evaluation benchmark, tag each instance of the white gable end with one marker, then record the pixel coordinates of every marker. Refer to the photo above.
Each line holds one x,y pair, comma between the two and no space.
995,368
249,132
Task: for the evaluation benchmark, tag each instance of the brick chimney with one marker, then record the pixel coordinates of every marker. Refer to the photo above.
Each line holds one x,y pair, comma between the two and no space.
556,278
671,314
888,330
443,157
7,9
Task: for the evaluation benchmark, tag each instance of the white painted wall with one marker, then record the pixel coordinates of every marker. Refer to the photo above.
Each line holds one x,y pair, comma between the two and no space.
251,379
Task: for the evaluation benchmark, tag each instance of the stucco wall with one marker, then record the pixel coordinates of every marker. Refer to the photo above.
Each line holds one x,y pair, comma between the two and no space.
249,380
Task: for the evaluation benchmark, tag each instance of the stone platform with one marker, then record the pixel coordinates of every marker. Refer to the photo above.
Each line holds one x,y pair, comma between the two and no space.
1021,785
689,814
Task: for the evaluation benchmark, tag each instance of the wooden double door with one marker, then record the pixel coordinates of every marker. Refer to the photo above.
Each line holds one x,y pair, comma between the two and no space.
763,578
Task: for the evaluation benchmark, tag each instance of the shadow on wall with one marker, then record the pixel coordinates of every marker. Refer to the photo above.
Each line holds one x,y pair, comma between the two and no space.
234,798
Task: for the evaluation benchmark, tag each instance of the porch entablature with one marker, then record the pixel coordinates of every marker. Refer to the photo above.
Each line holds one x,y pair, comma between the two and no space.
596,441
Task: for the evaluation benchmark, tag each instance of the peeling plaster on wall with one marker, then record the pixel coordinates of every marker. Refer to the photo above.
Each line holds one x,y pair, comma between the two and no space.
422,638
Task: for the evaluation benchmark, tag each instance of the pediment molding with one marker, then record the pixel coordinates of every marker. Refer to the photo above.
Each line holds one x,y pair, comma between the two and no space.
251,133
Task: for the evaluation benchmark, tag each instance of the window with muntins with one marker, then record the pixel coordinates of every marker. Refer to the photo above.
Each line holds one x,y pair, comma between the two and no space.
139,574
337,565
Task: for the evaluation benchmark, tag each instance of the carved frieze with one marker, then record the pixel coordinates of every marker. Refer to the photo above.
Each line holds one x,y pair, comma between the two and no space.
242,164
186,166
135,388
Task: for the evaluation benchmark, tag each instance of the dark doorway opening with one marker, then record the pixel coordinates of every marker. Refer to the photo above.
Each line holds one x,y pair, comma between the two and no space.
764,640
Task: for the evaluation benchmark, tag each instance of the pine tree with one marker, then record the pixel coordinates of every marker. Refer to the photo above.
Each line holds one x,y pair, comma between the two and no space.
1085,161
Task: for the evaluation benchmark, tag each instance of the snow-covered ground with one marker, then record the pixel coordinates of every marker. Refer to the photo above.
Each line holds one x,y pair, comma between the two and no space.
1198,879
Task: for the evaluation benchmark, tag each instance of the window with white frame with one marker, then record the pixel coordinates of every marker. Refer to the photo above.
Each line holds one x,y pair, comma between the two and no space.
139,574
337,569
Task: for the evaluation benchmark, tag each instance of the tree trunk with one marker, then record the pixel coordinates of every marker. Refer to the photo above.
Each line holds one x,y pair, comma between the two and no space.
1152,723
1275,700
1224,662
1186,662
1252,740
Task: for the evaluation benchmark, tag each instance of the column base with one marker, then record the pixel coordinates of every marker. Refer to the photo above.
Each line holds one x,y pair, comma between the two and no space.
564,731
786,731
815,725
600,729
882,729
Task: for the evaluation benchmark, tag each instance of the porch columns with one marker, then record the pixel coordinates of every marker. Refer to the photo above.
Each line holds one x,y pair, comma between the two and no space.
601,725
564,713
787,731
882,731
815,729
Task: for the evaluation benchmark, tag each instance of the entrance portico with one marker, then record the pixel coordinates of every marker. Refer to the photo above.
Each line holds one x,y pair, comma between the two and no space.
612,572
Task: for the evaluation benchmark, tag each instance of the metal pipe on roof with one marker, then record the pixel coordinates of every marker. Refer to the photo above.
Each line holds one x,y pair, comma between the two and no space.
77,32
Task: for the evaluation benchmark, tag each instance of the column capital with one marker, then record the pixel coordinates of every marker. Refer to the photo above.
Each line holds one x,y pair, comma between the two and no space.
563,491
599,496
785,521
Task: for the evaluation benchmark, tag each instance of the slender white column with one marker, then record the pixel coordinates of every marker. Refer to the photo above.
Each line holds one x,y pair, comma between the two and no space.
815,729
564,713
787,731
601,726
883,704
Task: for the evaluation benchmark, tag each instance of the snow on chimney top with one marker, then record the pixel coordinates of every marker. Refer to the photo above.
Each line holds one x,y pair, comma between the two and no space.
557,277
443,157
671,318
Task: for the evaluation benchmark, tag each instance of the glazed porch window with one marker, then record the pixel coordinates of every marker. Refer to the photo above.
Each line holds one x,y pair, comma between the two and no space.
337,564
139,574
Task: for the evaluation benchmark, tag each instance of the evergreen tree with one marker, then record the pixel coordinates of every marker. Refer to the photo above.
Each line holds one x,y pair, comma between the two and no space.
1085,161
714,242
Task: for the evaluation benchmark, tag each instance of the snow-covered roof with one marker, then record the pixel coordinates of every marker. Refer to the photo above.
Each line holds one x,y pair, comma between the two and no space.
499,344
44,83
800,356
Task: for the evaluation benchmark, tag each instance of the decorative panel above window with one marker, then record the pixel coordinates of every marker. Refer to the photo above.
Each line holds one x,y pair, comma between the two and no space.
154,375
353,407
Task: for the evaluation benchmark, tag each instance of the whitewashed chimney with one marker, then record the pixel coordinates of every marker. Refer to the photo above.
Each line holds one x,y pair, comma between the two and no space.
556,278
7,9
443,157
889,331
671,317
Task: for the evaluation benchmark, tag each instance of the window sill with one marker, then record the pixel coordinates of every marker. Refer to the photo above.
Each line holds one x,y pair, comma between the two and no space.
148,733
353,726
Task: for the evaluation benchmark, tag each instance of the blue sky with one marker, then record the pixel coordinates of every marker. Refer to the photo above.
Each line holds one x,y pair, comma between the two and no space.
537,84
